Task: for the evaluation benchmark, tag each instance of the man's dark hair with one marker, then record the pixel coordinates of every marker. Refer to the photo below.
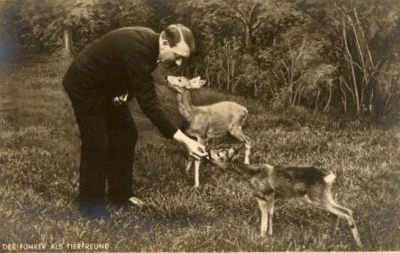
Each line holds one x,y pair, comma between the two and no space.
173,36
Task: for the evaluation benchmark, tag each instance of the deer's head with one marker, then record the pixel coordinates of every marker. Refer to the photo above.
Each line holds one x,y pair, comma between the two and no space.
181,83
223,157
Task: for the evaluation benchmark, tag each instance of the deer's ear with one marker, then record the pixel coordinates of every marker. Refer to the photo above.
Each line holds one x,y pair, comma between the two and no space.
195,79
196,83
232,153
202,82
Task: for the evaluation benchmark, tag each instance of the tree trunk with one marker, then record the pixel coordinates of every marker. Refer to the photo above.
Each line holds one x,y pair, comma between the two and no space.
255,90
344,96
351,66
248,37
378,99
330,96
316,101
68,41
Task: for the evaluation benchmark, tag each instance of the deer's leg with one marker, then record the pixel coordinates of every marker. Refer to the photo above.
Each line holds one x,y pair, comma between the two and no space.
321,196
189,163
196,173
270,213
197,167
263,205
238,134
348,215
328,204
335,224
247,147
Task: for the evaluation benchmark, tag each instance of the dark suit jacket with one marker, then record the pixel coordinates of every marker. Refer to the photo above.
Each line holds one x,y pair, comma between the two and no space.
122,61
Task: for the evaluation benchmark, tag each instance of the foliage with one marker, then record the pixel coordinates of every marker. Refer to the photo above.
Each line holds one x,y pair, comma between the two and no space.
39,24
360,50
321,54
388,80
110,15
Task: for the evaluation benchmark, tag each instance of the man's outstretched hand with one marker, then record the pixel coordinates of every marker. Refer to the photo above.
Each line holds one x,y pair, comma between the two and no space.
195,149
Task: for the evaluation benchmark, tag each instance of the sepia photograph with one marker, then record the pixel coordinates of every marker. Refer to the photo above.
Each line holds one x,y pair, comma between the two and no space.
199,125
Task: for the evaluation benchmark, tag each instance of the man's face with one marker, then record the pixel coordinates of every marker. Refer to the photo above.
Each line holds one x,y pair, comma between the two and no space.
172,56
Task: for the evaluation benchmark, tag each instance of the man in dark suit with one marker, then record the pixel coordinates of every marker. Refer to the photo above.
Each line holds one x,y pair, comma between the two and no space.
101,80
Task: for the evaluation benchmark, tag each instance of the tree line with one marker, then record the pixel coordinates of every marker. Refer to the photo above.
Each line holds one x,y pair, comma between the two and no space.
326,55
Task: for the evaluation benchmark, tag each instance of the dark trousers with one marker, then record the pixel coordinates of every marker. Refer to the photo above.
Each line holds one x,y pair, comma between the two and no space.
108,137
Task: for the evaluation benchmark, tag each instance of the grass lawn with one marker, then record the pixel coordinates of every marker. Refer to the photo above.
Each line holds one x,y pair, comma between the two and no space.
39,156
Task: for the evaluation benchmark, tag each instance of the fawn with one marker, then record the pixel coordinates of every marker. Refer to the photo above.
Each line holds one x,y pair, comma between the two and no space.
209,121
270,182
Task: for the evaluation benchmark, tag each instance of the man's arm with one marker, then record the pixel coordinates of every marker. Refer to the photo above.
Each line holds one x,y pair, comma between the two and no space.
150,105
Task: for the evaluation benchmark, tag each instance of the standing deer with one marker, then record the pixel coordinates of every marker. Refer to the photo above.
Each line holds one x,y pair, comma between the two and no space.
269,183
210,121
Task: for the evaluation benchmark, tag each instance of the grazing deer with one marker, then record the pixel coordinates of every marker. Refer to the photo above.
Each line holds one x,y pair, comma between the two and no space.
269,183
210,121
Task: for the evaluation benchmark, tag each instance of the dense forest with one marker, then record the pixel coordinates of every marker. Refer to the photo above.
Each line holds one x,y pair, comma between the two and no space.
337,56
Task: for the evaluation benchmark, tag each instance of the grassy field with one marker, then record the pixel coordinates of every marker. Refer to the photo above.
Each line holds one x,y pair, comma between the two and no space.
39,154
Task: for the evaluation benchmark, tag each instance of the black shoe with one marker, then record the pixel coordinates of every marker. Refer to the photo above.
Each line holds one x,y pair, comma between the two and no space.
93,210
